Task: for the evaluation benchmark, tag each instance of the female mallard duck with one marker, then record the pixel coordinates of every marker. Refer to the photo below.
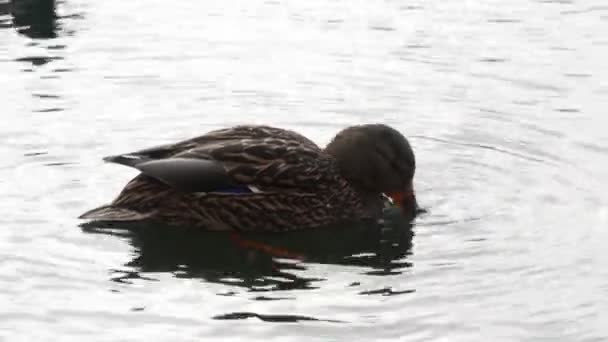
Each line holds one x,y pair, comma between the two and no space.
260,178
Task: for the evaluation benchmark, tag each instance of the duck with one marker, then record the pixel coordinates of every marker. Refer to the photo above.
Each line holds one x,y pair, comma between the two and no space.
255,178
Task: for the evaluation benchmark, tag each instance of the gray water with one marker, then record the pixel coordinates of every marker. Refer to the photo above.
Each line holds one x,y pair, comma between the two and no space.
504,103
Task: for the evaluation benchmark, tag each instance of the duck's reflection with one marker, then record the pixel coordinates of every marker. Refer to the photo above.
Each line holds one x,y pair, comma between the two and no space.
36,19
5,11
264,262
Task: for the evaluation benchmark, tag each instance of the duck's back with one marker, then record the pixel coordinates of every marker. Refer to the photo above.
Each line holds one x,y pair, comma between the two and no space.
264,157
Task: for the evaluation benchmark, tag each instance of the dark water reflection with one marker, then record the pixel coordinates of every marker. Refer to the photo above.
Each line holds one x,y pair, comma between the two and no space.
5,10
36,19
263,262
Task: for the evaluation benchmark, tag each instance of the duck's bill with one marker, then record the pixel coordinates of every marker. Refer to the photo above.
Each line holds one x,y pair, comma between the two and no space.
406,200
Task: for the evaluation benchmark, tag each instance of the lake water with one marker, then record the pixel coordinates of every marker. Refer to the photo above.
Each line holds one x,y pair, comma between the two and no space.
504,103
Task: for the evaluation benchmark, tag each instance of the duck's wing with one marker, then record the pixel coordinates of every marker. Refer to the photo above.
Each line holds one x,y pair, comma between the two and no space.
258,156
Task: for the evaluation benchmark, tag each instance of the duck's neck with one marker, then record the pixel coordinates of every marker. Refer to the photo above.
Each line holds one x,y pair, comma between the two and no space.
372,204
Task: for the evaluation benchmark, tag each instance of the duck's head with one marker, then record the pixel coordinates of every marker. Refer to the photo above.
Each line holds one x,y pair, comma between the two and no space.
377,160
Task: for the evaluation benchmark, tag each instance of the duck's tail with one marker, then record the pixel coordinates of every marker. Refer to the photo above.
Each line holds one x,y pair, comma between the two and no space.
114,213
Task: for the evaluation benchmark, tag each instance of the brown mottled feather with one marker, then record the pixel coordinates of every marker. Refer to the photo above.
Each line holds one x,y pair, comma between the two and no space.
301,186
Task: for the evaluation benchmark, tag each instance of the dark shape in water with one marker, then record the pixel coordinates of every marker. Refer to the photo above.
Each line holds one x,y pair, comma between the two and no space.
35,18
5,10
271,318
37,60
261,262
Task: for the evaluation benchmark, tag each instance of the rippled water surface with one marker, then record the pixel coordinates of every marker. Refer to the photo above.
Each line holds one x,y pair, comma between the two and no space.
504,103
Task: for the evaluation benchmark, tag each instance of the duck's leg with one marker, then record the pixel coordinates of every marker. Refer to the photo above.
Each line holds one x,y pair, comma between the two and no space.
263,247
